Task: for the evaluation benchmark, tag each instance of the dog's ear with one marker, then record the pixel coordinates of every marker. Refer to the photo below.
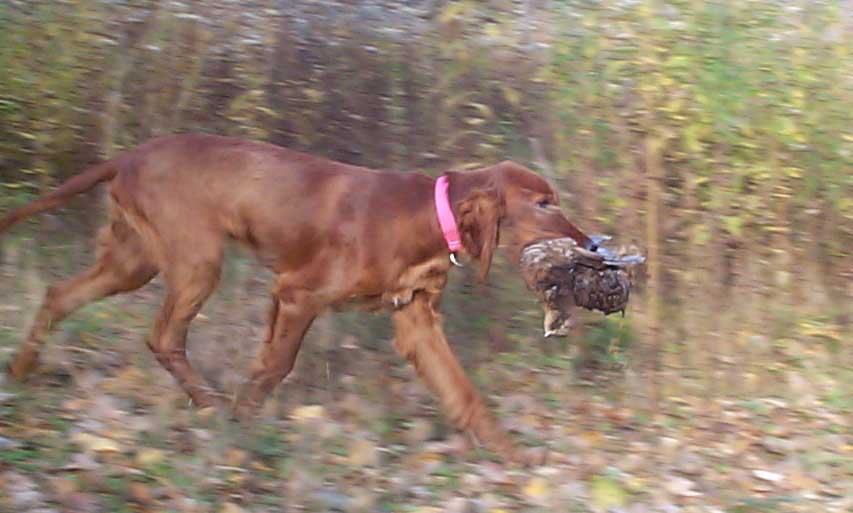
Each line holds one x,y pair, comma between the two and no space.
479,208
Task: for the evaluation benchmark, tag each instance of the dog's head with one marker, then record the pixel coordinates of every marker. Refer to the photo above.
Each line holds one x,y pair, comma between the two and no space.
511,205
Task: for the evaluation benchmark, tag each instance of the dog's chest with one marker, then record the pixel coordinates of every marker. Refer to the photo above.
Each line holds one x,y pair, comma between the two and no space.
430,276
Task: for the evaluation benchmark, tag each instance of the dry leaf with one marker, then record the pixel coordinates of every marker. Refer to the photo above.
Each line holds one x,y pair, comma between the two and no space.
681,487
591,439
80,461
147,456
690,464
606,493
537,489
420,431
64,485
80,502
363,453
23,493
141,492
362,500
800,481
95,443
495,473
766,475
230,507
235,457
308,412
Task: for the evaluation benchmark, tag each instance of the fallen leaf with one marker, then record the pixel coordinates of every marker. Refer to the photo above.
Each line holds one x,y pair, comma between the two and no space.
333,499
460,505
690,464
362,500
22,491
308,412
632,462
80,461
766,475
64,485
147,456
537,489
681,487
6,443
420,431
634,484
206,412
94,443
472,481
591,439
257,465
141,492
800,481
606,493
363,453
235,457
777,445
669,446
425,458
230,507
80,502
495,473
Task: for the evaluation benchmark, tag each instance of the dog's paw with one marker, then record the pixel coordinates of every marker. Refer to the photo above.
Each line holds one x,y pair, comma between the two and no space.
22,366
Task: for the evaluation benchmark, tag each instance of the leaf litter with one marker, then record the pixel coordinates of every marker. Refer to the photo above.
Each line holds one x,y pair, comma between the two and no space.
119,436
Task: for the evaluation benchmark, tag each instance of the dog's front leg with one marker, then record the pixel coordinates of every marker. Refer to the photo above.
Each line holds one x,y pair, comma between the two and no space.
420,339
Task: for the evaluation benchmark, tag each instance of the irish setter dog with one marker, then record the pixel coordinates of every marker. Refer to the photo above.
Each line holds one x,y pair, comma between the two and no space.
335,235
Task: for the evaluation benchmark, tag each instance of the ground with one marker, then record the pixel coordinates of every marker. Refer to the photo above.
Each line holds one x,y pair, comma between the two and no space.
103,428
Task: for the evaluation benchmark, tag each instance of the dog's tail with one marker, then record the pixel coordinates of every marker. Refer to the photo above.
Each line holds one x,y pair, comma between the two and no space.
73,186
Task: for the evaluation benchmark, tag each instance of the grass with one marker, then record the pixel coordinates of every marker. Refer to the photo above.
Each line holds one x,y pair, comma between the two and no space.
283,453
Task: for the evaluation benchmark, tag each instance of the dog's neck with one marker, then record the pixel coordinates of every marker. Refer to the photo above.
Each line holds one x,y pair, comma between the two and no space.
446,219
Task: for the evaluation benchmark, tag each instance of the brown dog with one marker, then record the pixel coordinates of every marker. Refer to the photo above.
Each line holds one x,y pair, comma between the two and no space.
335,235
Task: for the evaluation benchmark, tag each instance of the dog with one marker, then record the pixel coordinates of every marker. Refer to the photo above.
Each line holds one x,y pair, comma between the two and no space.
336,236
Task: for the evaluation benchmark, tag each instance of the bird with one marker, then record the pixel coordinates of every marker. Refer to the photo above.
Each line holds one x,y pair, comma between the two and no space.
566,275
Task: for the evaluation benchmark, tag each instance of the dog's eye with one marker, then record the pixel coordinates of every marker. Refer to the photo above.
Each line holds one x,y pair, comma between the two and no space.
543,203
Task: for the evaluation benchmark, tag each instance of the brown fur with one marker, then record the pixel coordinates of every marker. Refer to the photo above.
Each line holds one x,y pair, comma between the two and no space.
335,235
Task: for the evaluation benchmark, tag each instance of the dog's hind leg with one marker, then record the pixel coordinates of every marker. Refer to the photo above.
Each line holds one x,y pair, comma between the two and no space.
190,279
121,266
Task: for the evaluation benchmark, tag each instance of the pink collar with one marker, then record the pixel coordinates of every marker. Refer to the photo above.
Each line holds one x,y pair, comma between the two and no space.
445,215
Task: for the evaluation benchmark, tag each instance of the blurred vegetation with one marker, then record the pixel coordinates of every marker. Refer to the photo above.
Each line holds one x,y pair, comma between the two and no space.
715,134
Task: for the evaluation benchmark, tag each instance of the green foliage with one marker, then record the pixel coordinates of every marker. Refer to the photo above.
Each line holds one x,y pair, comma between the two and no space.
750,98
716,134
607,342
23,458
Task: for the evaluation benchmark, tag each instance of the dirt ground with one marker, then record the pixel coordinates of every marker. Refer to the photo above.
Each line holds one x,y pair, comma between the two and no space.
103,429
